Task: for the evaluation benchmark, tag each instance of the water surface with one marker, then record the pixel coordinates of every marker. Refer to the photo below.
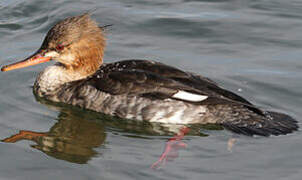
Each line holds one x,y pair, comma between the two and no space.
250,47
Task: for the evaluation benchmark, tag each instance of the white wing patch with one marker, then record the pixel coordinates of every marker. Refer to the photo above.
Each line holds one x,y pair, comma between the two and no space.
183,95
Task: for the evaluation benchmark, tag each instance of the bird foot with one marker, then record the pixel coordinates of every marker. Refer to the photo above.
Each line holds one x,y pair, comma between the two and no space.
171,149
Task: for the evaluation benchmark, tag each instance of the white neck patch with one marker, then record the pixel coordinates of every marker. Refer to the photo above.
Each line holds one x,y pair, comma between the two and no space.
54,76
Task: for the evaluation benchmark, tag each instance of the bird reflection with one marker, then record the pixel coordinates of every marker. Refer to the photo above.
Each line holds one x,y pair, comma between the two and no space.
73,138
77,133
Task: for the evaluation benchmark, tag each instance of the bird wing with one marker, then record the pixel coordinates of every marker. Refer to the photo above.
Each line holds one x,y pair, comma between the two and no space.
150,77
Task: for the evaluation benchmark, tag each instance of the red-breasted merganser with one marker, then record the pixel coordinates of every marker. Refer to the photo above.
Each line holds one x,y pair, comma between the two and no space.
138,89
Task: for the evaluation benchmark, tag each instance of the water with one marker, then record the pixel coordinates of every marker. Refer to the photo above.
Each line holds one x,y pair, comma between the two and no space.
250,47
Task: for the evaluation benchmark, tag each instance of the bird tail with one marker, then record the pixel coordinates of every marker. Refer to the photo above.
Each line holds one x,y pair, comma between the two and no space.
272,123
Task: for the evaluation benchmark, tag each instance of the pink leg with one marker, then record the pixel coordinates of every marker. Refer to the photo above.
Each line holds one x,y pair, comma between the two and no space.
171,148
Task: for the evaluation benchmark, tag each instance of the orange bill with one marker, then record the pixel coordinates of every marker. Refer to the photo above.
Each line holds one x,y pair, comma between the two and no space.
32,60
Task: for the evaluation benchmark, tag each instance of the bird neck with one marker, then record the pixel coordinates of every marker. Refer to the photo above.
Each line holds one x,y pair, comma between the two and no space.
54,77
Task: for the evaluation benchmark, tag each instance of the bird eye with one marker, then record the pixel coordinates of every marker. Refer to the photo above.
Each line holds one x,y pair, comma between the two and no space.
59,47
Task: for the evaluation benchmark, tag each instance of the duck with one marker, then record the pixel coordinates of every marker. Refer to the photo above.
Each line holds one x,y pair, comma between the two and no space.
135,89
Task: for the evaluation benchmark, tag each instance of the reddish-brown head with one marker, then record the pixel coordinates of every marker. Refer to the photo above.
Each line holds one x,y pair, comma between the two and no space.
77,43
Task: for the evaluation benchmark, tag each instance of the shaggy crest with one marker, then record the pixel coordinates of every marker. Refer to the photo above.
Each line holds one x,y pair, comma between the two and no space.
80,43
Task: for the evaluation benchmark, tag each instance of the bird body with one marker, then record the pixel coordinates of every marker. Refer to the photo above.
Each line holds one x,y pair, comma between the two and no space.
139,89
